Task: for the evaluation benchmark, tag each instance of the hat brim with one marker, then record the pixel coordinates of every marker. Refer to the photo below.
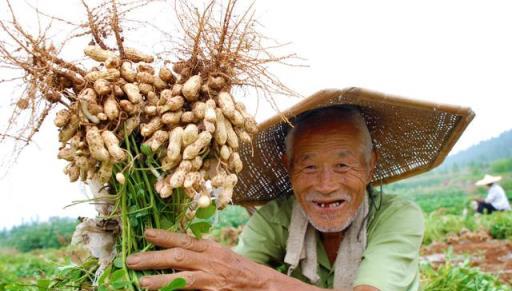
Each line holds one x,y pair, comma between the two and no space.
488,180
410,137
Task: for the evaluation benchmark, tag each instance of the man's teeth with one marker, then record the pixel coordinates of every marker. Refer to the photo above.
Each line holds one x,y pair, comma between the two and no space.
330,205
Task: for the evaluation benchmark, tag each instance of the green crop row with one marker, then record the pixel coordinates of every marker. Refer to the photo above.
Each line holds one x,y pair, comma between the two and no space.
458,277
439,226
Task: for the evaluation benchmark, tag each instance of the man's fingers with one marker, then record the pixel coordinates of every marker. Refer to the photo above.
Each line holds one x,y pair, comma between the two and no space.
194,280
176,258
169,239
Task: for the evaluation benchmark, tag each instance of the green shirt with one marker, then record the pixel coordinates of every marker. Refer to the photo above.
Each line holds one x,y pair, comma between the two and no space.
390,261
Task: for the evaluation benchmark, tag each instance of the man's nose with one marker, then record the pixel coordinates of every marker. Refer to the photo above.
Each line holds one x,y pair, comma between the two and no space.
326,183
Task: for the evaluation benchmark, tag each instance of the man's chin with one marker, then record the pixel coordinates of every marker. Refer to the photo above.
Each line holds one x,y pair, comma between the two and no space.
328,227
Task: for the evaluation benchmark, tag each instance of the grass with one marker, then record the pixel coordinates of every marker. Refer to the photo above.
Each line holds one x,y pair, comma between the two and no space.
23,271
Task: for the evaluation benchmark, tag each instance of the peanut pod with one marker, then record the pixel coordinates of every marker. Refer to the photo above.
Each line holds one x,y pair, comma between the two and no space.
110,108
130,124
225,102
137,56
190,134
174,147
112,143
171,118
166,75
191,88
105,171
62,117
102,87
109,75
66,154
192,150
220,128
127,73
157,139
98,54
149,128
96,144
69,130
199,109
232,138
177,178
235,163
188,117
190,179
132,91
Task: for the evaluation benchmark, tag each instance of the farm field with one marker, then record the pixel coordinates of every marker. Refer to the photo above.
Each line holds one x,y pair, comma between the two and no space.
461,250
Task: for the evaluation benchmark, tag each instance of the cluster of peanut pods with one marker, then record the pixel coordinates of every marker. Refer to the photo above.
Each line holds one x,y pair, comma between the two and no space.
191,122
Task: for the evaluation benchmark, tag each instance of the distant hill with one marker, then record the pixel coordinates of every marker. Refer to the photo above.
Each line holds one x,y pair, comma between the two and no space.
484,152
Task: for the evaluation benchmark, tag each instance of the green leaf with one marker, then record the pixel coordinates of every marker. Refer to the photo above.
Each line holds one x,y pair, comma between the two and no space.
43,284
118,275
141,213
207,212
200,228
146,150
165,222
118,279
123,284
105,274
178,283
133,221
118,262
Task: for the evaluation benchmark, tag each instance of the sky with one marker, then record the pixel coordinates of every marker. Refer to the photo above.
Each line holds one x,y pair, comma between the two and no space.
454,52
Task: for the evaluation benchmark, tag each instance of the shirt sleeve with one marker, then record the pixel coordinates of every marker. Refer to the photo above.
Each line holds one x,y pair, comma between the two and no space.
262,239
391,259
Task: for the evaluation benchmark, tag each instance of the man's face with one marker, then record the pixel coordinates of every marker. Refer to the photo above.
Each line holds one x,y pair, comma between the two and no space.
329,171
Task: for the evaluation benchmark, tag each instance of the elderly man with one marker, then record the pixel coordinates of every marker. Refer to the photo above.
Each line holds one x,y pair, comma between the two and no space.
325,227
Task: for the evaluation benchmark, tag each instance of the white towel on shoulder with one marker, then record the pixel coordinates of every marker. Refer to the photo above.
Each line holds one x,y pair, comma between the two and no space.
301,247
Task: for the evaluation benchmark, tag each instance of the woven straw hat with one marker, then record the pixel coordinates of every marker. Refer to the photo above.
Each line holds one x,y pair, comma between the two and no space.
488,179
410,137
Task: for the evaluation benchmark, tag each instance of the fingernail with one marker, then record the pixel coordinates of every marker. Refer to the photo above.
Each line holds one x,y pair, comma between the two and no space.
150,233
143,282
132,260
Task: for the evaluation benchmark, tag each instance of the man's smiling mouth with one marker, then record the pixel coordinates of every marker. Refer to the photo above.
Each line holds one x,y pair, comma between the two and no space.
330,204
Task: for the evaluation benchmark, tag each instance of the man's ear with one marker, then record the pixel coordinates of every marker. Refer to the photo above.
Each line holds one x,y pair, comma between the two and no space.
373,163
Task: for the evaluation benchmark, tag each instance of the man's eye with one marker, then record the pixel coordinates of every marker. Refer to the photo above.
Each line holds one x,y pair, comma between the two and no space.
310,167
341,166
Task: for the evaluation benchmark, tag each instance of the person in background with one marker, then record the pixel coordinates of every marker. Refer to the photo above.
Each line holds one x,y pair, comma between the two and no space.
496,199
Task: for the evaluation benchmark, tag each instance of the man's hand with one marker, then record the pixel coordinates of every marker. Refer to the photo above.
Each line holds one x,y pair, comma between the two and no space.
205,265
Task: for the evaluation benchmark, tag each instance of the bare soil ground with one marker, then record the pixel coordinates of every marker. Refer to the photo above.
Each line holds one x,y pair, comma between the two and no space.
490,255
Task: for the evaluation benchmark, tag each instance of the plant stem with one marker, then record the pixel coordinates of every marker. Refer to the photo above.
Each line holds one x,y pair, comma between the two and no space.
124,232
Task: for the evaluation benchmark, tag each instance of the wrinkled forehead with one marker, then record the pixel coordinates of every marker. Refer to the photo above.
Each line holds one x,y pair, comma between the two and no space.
349,132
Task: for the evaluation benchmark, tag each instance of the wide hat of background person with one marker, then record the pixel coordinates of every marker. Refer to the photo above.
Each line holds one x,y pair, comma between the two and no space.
488,179
409,136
